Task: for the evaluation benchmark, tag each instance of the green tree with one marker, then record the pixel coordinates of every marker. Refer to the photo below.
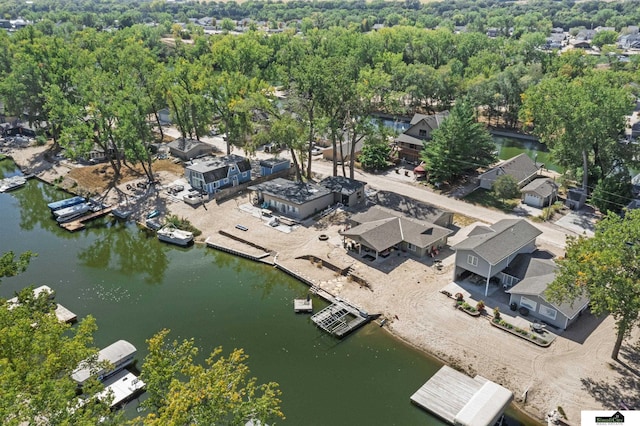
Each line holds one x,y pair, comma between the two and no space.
506,187
581,121
219,392
604,37
460,144
606,269
375,152
613,192
10,266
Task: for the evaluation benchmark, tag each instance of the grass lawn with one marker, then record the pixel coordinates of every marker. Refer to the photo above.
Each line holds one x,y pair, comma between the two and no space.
485,198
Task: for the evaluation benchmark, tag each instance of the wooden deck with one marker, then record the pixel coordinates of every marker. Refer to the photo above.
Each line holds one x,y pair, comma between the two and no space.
78,224
303,305
461,400
63,314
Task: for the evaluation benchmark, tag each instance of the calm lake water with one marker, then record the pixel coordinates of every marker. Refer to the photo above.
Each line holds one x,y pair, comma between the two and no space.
135,286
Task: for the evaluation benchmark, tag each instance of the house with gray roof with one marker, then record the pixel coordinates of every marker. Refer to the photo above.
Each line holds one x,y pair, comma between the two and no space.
186,149
297,200
488,250
539,192
534,276
380,230
349,192
211,174
521,167
411,141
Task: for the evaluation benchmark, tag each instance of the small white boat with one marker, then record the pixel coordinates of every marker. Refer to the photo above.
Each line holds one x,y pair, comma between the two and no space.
121,212
173,235
12,183
73,212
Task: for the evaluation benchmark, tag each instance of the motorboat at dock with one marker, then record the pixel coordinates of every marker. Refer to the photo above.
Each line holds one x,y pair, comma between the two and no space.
70,213
68,202
173,235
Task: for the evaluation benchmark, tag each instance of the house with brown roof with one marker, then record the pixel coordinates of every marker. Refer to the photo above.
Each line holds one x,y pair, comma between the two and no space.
411,141
521,167
539,192
379,230
211,174
488,250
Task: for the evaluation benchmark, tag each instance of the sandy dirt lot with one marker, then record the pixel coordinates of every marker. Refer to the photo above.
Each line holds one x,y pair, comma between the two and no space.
575,372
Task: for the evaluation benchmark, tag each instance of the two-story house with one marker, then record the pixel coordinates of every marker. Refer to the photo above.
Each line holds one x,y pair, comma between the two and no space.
211,174
487,251
411,141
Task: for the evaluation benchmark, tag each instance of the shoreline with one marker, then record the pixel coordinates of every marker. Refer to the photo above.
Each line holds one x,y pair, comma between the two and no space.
410,291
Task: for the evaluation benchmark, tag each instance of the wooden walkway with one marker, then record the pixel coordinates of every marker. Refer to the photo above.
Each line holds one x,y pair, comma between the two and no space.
78,224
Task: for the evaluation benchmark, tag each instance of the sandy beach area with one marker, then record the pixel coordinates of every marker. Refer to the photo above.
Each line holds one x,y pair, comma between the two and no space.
575,372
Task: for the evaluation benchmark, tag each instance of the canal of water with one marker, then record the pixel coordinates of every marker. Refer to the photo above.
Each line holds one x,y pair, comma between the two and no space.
506,147
135,286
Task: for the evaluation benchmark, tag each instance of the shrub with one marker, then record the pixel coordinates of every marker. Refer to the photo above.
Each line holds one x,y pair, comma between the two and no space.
465,305
496,312
459,297
480,305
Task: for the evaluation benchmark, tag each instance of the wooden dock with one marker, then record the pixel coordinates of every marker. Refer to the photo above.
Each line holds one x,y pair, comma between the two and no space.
340,318
461,400
63,314
78,224
302,305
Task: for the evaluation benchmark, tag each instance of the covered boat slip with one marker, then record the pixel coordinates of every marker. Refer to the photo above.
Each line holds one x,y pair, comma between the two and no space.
119,355
461,400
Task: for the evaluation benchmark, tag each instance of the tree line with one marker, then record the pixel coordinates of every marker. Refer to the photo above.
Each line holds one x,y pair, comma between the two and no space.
88,89
476,15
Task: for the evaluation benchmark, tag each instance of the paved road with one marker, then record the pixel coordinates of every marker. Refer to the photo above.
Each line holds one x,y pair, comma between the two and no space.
405,185
400,184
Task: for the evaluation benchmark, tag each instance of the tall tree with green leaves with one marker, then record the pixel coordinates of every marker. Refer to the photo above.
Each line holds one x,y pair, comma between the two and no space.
218,392
606,269
581,120
460,144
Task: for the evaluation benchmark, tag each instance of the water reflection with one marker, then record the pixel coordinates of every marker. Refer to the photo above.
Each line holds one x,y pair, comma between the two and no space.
129,253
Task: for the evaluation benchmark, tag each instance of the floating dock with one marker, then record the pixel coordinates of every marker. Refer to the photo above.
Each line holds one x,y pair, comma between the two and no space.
78,224
62,313
123,386
302,305
462,401
340,318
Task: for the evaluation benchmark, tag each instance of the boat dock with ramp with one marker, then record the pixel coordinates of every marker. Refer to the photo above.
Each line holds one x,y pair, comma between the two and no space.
79,223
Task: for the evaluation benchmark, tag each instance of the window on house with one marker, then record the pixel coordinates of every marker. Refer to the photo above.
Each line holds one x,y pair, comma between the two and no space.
472,260
411,247
528,303
548,312
422,133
